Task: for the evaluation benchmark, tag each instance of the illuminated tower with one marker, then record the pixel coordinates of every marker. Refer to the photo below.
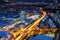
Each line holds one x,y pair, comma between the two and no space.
22,17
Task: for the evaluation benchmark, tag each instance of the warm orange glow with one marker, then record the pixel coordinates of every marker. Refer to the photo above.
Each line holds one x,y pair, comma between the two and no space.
34,31
31,29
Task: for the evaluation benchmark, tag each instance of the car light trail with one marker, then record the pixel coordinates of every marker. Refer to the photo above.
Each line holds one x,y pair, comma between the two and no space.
30,29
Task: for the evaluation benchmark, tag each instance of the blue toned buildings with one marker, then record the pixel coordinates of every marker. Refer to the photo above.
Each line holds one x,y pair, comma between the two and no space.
3,34
40,37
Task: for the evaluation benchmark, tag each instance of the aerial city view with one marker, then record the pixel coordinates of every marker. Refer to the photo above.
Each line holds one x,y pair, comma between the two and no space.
29,19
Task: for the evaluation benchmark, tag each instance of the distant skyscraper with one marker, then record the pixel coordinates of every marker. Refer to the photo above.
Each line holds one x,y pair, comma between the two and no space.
22,17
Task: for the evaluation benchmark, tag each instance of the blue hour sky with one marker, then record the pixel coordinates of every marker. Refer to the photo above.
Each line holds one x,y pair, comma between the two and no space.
31,0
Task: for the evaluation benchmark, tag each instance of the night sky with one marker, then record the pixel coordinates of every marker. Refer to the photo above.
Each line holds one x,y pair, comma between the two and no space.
31,0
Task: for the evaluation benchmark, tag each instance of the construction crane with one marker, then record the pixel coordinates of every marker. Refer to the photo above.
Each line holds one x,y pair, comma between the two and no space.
24,33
